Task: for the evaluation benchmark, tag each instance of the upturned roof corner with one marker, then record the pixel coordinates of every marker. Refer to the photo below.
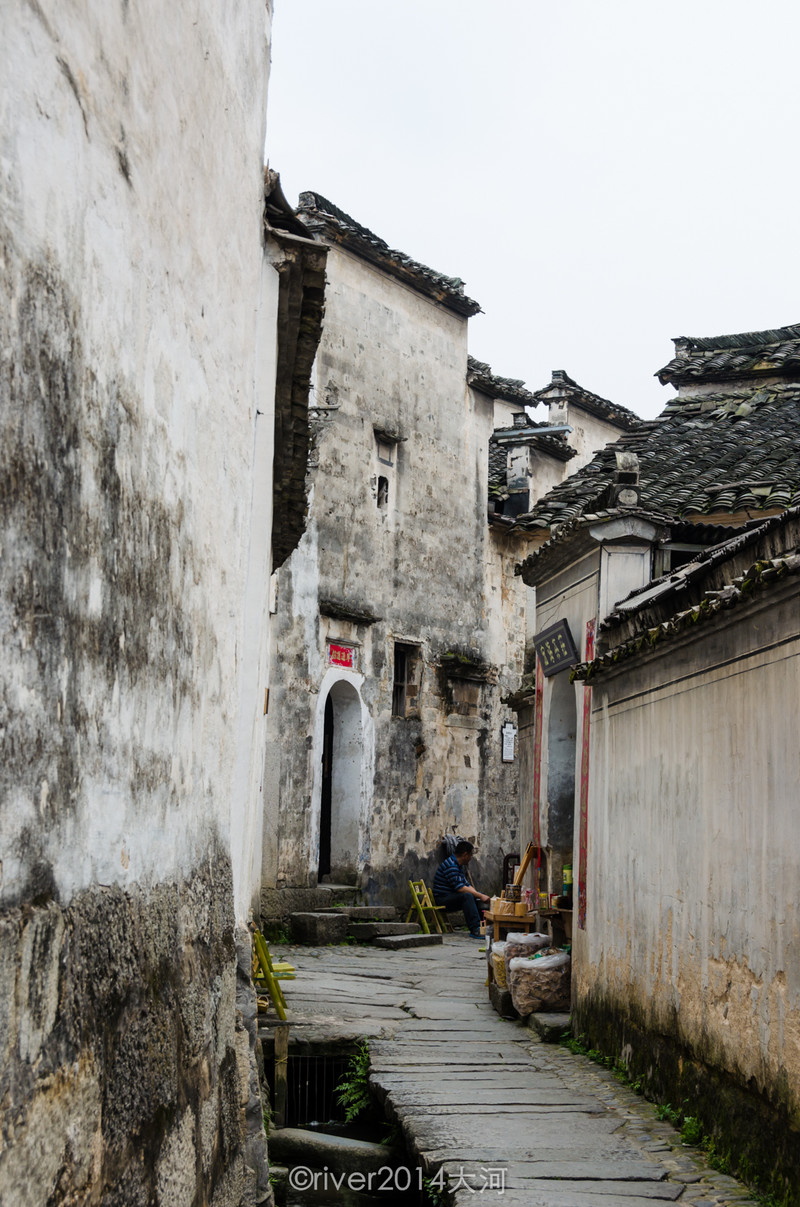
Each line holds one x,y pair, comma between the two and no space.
562,390
728,358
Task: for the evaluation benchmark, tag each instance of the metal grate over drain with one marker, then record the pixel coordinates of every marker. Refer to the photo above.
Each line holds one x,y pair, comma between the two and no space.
311,1083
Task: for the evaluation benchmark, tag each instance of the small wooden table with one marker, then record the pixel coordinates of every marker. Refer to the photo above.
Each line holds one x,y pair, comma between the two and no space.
524,923
557,923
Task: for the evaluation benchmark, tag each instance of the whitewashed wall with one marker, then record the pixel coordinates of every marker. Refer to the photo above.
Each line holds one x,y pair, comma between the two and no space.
693,930
136,473
425,566
132,199
589,433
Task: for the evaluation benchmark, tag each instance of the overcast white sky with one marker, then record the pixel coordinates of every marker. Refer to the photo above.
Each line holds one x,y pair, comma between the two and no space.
603,174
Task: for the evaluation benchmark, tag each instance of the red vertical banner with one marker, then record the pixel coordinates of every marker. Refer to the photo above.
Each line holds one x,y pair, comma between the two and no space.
583,840
537,762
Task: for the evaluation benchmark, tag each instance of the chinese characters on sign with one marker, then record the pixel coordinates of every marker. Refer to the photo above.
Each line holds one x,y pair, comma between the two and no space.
509,734
341,655
555,648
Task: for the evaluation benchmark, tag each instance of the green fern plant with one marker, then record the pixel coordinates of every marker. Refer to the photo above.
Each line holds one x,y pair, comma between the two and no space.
352,1092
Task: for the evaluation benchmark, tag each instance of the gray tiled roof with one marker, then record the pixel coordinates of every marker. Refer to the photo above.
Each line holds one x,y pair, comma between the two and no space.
701,457
687,602
553,446
562,386
540,435
686,584
322,217
498,459
510,389
731,357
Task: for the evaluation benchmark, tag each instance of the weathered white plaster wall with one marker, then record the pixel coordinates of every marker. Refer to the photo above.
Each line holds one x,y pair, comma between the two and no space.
426,567
135,501
132,199
247,800
589,432
693,923
570,595
545,473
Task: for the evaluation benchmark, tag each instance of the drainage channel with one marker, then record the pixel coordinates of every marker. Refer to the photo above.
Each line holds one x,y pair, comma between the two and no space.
316,1157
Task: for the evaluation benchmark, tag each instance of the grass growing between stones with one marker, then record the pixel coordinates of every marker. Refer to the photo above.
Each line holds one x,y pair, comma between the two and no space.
579,1048
276,933
689,1125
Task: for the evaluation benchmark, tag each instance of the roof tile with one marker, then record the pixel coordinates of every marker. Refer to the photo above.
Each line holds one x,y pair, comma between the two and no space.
323,217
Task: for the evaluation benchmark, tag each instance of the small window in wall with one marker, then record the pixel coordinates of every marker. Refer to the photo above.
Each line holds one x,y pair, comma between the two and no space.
407,675
383,493
385,450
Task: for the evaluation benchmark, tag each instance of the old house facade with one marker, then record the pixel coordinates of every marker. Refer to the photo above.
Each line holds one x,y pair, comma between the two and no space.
666,767
149,353
397,618
400,623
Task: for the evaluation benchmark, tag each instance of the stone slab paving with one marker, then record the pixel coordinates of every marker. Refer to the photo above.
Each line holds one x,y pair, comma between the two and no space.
511,1120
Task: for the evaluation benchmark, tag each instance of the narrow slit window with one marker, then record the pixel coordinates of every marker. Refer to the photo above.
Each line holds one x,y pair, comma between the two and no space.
407,674
383,493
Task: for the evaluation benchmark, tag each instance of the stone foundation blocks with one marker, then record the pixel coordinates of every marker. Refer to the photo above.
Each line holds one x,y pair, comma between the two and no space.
318,929
396,942
366,931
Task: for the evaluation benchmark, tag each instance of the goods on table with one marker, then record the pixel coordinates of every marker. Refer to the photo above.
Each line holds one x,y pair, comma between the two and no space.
539,983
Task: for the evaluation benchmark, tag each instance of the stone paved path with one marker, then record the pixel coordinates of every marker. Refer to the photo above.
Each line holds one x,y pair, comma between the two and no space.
482,1098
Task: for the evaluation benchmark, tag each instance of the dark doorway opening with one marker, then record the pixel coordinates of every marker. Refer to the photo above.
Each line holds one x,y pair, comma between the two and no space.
327,787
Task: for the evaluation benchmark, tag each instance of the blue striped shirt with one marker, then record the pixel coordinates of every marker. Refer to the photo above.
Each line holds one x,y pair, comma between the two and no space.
449,878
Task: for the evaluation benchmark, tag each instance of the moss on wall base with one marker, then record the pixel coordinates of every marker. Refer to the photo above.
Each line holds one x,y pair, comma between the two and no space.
753,1134
126,1049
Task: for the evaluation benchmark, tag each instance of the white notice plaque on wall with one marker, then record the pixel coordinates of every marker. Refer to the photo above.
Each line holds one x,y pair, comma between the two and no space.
509,738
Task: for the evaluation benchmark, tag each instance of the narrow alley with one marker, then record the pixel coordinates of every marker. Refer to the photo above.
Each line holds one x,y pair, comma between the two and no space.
506,1116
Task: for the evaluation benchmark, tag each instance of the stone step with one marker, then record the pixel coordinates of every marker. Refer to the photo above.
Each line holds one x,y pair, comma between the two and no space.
278,904
551,1028
365,931
370,913
318,928
395,942
501,1000
340,891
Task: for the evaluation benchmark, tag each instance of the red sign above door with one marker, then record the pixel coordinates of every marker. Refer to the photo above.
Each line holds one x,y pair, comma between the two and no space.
341,655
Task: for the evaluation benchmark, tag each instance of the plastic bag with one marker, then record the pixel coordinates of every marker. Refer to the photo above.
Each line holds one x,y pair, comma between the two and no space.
524,945
534,940
541,984
499,964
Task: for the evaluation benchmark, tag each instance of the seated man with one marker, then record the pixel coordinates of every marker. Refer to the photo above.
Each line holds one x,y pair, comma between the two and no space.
452,889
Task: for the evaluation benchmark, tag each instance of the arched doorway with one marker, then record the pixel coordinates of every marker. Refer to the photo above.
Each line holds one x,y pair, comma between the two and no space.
340,797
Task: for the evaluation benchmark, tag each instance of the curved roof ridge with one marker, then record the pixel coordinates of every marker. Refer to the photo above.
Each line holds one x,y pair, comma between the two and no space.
745,339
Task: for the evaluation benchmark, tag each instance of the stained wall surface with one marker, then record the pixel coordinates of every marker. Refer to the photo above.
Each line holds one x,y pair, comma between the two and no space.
692,926
397,549
133,283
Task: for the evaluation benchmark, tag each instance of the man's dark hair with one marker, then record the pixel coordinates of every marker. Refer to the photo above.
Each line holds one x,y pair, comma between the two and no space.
464,847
